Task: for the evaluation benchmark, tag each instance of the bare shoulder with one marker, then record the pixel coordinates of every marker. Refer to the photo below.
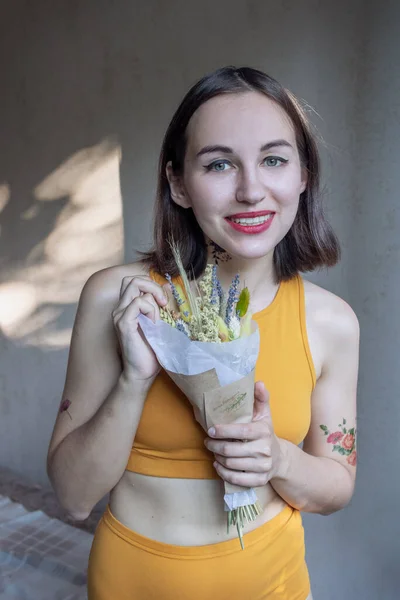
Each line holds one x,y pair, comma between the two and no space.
330,315
104,286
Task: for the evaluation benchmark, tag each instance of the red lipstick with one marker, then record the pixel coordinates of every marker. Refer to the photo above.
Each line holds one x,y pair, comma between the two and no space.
251,215
251,229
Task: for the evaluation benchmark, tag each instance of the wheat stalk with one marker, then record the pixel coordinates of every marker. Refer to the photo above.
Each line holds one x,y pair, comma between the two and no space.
185,280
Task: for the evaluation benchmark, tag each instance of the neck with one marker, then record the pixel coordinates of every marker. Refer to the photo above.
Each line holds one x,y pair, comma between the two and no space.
257,274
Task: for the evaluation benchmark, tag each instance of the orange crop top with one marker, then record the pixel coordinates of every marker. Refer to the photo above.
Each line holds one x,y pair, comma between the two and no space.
170,443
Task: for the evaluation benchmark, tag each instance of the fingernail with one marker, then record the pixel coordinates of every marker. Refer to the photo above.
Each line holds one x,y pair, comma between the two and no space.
211,432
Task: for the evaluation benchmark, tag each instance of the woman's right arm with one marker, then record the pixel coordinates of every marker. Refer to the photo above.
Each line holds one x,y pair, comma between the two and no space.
91,441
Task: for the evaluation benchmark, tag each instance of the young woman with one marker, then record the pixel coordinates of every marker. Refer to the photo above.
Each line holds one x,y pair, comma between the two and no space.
238,184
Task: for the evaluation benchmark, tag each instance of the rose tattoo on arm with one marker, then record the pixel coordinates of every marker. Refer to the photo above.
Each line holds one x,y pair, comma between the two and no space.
343,441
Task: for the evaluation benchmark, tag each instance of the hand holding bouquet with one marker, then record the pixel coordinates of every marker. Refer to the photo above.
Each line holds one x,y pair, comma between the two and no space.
209,345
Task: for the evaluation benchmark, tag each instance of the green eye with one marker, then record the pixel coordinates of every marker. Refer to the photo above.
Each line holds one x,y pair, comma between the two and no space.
218,165
274,160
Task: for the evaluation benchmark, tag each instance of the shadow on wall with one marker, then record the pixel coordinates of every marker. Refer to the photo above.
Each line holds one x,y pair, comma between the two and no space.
81,201
53,236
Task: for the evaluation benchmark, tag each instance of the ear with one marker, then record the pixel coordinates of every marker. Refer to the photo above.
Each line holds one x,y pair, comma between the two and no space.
304,180
176,186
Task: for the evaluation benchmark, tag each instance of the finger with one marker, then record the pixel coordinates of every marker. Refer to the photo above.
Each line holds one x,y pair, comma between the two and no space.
146,301
261,408
238,431
133,313
139,286
250,465
235,449
127,280
150,299
128,317
250,480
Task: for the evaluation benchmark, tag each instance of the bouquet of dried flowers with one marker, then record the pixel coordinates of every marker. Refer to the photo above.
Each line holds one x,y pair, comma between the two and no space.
208,344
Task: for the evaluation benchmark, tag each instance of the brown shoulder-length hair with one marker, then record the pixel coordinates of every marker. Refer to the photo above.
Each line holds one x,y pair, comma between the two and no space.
310,243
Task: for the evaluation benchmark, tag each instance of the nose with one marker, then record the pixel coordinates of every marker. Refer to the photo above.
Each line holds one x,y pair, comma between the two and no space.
250,187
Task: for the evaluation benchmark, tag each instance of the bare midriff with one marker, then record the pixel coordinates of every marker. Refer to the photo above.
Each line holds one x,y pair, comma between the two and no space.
183,512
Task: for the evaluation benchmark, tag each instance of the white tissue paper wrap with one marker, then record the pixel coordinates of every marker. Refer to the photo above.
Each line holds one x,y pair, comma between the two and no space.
231,360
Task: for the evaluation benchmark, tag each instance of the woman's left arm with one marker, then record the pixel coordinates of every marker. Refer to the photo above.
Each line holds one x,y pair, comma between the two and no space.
320,477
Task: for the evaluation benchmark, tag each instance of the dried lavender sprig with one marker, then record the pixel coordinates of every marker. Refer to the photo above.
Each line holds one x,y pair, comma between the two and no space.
232,298
219,289
181,326
175,293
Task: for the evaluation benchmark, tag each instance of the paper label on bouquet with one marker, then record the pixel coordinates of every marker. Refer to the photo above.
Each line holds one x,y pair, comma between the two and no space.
231,403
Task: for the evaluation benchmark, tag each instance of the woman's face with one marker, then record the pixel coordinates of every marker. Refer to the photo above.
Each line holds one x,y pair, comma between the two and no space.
241,163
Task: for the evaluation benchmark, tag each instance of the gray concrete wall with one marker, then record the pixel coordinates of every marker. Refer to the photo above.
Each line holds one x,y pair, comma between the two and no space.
88,89
361,543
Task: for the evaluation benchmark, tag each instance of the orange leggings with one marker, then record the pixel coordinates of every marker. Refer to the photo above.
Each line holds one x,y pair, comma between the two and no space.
124,565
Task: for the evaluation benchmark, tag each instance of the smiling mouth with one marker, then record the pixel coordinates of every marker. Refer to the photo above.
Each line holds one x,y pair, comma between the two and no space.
251,219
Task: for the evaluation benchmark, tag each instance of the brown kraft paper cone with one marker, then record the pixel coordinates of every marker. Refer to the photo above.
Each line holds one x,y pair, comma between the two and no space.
216,405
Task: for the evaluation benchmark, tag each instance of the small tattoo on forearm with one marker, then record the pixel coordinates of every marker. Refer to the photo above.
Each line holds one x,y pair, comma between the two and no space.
343,441
65,404
218,254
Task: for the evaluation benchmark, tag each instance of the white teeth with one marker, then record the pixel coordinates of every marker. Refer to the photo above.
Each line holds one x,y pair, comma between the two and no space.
254,221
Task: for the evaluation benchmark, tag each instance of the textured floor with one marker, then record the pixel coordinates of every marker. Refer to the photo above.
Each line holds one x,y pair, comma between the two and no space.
34,497
41,558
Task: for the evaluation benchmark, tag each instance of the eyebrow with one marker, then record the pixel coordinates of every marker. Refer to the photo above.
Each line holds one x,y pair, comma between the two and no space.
227,150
